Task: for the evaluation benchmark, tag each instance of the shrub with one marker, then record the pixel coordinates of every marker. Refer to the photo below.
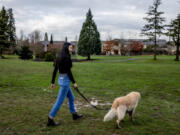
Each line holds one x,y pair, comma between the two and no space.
148,49
39,51
25,53
136,46
39,56
49,57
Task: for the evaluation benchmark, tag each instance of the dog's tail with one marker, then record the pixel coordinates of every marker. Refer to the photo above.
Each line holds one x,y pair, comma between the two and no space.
110,115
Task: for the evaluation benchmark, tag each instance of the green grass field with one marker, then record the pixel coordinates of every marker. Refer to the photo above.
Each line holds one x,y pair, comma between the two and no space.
25,97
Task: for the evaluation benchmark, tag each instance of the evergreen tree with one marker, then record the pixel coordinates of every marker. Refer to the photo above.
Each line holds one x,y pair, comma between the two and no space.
174,32
25,53
11,28
154,25
89,40
3,31
51,41
46,37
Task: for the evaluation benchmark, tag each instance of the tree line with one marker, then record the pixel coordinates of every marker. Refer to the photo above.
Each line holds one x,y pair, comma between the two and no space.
89,40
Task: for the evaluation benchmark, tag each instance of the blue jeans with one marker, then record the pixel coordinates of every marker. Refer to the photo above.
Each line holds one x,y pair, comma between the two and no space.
65,91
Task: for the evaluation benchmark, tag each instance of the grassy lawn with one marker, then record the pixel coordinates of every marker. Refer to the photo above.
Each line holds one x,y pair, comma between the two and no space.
25,97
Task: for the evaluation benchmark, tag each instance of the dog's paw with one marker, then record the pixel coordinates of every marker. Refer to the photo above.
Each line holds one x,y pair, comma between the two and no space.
118,127
132,120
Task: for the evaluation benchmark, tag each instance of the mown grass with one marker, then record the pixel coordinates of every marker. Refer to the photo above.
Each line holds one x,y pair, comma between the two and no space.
25,97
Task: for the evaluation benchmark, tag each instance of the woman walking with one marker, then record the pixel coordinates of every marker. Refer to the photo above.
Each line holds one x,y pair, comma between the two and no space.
64,65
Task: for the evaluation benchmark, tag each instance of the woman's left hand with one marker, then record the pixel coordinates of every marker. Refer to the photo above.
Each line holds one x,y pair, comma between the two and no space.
52,86
75,85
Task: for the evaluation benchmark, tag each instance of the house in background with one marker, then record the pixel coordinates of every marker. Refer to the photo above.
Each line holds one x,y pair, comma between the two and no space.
123,46
111,47
56,46
45,44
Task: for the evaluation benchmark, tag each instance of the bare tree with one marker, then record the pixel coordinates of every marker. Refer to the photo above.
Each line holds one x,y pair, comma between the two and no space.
109,37
35,37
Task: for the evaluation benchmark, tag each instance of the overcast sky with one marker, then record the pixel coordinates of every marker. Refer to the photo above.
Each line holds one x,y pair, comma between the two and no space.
117,18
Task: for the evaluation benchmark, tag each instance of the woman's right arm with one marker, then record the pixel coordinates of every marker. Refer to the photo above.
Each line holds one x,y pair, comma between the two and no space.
54,75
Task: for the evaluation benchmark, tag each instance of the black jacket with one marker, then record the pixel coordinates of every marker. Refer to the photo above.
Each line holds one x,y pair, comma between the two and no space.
64,67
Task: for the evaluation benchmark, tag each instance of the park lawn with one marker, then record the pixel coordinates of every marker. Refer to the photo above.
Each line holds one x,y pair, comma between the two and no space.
25,97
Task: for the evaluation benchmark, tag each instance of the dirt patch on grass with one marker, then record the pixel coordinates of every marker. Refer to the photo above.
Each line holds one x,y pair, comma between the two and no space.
99,103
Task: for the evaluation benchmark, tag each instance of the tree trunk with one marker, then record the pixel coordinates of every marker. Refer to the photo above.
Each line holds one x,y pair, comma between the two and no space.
177,53
155,46
178,44
89,57
155,43
1,54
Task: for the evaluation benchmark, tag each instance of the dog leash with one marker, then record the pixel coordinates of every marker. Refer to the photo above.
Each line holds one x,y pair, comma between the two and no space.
97,108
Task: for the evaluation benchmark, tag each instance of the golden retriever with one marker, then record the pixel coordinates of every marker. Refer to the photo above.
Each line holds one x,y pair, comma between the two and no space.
123,105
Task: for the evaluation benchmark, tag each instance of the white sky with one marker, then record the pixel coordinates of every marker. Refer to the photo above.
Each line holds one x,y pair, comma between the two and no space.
117,18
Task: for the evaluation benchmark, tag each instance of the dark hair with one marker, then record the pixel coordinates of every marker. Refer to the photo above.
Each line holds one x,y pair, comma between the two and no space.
64,56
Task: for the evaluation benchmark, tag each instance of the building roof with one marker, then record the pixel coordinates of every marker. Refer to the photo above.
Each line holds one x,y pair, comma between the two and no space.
57,42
